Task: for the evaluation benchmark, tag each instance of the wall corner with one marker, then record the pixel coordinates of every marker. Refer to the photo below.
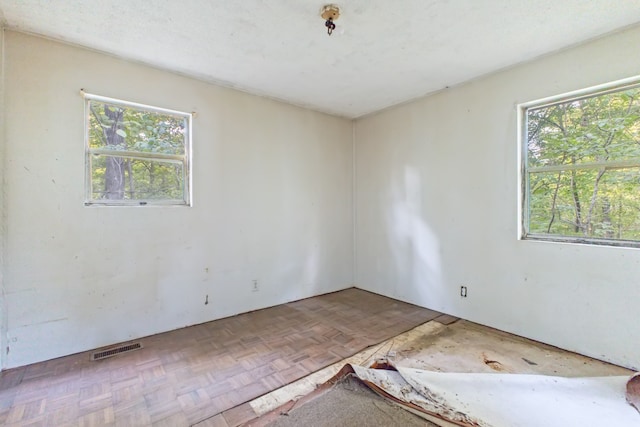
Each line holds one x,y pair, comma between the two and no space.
354,205
3,212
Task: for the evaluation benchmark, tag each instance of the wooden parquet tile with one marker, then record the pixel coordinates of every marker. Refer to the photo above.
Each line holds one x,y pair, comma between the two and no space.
204,373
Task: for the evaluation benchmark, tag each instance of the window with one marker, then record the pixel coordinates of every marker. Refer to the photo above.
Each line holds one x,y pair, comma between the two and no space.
136,154
581,166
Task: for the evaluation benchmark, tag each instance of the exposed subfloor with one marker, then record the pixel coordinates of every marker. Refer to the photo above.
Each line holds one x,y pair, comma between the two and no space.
444,345
349,403
185,376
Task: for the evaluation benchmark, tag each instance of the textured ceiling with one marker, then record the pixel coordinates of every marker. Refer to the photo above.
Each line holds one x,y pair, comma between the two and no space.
383,52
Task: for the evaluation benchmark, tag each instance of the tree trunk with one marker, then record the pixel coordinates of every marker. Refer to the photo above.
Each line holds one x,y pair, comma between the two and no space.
606,218
114,173
553,202
576,202
594,198
132,190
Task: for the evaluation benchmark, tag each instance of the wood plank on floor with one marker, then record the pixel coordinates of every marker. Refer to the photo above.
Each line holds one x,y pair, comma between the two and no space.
446,319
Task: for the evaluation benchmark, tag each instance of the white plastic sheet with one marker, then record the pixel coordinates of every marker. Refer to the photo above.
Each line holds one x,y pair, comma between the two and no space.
506,399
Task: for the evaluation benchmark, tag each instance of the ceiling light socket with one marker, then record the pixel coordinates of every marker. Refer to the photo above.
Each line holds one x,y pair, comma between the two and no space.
330,11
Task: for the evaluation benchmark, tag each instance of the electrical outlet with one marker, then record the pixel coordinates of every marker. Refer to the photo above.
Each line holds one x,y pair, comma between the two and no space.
255,286
463,291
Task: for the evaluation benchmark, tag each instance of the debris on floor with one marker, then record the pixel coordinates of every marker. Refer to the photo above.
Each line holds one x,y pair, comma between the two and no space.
347,403
469,399
466,374
633,391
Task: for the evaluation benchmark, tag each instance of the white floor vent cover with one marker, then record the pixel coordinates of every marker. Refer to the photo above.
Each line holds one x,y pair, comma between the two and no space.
115,351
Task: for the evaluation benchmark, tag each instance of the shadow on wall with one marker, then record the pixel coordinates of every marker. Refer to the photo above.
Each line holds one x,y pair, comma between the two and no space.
414,245
303,272
311,268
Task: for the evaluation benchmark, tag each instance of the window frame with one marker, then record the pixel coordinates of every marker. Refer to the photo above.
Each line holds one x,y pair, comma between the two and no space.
184,159
524,171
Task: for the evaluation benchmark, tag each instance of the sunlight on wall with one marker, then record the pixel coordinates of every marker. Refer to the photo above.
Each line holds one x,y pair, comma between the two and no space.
311,268
415,247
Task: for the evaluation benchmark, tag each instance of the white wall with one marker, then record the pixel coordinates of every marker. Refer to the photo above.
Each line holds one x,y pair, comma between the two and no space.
272,187
436,206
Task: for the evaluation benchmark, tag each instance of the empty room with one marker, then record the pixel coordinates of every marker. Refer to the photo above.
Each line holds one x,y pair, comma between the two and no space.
279,212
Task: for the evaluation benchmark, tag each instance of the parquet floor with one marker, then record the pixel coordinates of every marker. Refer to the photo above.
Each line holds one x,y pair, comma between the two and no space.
186,376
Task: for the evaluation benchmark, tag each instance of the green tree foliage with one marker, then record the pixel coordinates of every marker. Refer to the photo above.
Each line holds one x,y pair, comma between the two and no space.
585,156
139,163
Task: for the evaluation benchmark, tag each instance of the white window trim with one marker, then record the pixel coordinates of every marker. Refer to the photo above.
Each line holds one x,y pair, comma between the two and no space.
168,158
523,171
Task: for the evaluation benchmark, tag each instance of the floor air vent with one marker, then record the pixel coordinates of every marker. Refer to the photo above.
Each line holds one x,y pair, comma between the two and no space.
99,355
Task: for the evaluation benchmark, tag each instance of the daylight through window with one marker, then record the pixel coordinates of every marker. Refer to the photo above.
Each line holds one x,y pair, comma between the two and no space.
136,154
581,168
